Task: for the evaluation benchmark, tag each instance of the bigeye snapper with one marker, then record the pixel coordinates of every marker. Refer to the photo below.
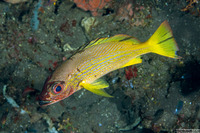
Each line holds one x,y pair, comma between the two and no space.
101,56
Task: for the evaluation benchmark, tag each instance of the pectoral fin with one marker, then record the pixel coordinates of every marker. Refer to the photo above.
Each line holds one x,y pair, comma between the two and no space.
96,87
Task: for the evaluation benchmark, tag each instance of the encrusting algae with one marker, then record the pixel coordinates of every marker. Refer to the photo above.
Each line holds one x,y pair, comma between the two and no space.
85,68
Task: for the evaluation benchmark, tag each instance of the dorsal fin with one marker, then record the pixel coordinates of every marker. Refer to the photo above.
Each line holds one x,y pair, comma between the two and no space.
116,38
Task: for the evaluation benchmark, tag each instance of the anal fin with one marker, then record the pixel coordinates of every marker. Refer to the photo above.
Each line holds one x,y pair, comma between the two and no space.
134,61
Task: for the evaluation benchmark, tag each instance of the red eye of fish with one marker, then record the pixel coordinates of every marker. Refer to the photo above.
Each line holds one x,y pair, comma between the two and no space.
57,88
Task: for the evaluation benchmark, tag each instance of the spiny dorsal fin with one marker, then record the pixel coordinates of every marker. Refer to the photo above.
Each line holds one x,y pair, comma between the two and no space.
116,38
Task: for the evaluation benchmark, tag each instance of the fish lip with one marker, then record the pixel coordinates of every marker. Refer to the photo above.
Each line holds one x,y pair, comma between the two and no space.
45,103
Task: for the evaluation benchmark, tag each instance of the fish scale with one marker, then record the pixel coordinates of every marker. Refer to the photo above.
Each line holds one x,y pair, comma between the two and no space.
98,63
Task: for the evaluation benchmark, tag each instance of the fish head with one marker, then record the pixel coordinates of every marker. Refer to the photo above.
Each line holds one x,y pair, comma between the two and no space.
54,91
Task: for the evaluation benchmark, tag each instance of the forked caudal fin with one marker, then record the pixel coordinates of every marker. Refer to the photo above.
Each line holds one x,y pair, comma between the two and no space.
162,42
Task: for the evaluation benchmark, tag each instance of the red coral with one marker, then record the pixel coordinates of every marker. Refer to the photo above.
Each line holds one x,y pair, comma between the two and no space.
92,5
128,73
135,71
125,12
131,72
66,28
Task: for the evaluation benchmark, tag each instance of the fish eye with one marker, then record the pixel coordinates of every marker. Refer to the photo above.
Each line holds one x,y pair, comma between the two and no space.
57,88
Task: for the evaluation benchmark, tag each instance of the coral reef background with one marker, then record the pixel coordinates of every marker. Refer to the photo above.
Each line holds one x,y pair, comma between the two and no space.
158,95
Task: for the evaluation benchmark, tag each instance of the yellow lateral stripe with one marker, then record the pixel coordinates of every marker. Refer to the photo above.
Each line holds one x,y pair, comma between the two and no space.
94,61
85,72
106,69
103,69
100,66
100,61
115,60
99,55
87,66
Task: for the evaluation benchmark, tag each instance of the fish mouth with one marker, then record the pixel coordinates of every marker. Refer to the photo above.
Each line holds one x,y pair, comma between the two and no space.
45,103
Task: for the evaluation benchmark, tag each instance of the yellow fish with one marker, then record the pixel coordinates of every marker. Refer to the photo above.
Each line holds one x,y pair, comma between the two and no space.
101,56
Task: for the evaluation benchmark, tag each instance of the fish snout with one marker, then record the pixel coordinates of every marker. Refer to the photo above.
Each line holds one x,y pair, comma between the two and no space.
43,100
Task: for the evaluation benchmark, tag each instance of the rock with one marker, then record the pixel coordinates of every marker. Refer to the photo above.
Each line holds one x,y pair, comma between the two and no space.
89,22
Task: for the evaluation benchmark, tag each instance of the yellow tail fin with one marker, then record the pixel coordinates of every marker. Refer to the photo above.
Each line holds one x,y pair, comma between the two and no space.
162,41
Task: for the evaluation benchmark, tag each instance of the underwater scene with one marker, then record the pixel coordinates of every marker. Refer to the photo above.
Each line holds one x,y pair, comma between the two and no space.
99,66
